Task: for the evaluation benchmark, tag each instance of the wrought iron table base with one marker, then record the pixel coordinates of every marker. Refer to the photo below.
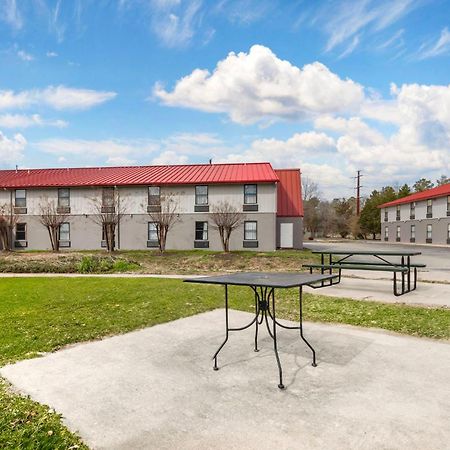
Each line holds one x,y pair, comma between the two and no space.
264,312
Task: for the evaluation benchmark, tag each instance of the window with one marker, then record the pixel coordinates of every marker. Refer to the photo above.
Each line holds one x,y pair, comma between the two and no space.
108,197
413,232
152,231
412,210
448,205
201,231
64,231
385,214
201,195
21,232
398,234
250,194
397,216
63,198
250,231
448,233
429,233
154,196
429,208
386,233
20,200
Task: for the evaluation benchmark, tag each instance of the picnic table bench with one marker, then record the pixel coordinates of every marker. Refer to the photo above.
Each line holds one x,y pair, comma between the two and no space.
379,263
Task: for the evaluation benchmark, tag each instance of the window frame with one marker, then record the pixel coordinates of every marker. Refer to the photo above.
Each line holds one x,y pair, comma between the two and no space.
397,213
24,198
448,205
386,233
149,224
398,233
429,231
253,194
201,195
151,197
386,214
247,222
60,197
412,210
110,203
68,232
412,231
25,231
204,231
429,208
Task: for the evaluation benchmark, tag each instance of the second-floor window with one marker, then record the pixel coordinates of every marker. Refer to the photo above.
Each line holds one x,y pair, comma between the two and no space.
63,198
20,198
397,215
201,195
250,230
108,198
250,194
385,214
201,231
412,210
448,205
21,232
154,196
429,208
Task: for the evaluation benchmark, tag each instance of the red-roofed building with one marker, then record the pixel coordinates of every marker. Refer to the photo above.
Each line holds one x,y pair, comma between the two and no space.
423,217
270,200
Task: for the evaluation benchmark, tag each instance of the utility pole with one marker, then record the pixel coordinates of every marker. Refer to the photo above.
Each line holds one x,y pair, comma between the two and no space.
358,192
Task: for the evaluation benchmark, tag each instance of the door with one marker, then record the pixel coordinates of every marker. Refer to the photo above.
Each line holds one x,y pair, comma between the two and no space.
286,235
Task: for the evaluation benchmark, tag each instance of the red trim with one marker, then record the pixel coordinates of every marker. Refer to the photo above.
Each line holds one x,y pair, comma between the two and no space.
440,191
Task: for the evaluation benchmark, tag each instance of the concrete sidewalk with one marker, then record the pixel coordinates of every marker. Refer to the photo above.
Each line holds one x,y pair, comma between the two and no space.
155,389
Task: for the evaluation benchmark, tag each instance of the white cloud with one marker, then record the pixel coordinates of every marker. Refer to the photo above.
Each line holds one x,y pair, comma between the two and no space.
11,149
169,157
50,54
58,97
440,47
350,49
343,20
258,86
24,56
10,14
120,161
24,121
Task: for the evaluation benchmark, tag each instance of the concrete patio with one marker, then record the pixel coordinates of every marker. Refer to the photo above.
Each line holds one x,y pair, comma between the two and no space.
155,389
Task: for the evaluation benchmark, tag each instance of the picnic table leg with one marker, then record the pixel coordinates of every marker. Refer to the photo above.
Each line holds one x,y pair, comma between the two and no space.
274,325
408,261
227,329
403,275
300,301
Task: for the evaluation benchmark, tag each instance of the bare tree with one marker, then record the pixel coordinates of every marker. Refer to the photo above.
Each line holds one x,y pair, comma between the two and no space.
51,219
310,189
226,218
164,216
108,212
8,221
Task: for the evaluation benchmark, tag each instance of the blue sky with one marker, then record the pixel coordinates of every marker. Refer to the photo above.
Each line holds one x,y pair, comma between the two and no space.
328,86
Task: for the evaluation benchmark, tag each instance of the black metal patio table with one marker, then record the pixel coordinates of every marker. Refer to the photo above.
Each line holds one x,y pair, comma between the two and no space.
263,285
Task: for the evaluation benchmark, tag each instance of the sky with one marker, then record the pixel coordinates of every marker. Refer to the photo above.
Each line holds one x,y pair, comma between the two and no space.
328,86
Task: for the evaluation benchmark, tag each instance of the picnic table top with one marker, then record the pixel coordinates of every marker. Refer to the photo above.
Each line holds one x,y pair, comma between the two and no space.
369,252
263,279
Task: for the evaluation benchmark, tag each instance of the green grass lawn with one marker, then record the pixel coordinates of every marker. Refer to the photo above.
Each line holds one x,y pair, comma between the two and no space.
42,315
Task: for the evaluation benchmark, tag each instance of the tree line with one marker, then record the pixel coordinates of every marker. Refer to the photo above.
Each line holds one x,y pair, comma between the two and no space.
338,216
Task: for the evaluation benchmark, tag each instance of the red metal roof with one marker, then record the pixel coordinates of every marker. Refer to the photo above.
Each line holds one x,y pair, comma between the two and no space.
289,193
140,175
440,191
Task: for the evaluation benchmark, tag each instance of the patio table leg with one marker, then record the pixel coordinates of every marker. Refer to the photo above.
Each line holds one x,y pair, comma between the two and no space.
274,325
300,298
227,329
257,321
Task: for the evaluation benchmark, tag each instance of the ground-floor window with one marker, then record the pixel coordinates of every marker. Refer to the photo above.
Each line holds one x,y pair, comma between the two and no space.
250,230
64,231
201,231
429,232
386,233
152,231
413,232
21,232
398,234
448,231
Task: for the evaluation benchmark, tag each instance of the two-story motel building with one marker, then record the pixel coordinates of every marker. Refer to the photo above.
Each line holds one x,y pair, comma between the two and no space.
269,199
423,217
